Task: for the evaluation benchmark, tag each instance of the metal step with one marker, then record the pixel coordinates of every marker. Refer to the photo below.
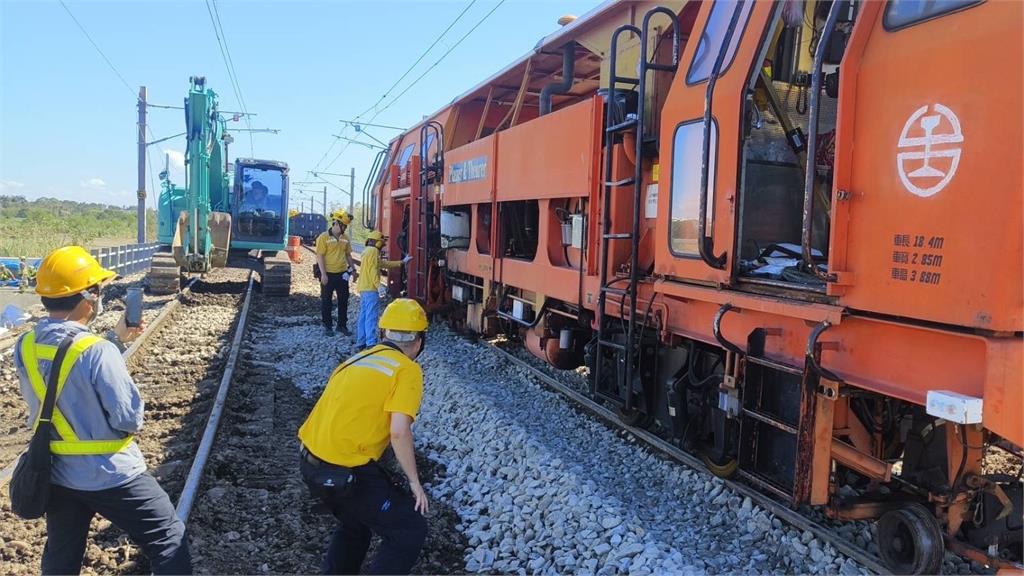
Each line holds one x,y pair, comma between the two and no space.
621,126
623,182
618,236
610,344
617,291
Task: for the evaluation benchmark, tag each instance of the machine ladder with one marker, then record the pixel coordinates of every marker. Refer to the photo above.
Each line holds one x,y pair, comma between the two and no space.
626,351
431,170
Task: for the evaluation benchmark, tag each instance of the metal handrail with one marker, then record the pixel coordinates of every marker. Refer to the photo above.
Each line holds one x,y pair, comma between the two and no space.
706,245
368,215
605,223
812,146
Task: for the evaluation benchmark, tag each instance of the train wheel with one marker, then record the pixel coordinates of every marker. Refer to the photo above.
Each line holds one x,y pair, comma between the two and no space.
910,540
723,470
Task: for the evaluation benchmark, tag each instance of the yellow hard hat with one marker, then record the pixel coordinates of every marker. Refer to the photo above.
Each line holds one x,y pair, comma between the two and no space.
341,216
375,235
69,270
404,315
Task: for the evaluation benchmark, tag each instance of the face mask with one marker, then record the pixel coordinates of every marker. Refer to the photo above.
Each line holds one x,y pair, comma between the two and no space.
97,304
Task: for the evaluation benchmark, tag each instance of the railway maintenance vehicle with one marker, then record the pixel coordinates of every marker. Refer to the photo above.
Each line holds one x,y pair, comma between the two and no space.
225,215
787,236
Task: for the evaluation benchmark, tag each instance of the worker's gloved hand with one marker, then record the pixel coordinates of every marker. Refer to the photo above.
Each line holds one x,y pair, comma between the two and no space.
345,276
126,334
406,259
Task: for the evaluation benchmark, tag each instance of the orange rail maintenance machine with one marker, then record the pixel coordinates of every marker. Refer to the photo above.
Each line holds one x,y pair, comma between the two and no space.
787,236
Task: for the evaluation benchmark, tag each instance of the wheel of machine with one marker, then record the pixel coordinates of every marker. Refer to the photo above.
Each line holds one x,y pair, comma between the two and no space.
164,275
910,540
722,470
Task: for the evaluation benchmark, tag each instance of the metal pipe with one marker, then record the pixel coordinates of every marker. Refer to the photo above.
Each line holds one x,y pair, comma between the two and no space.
812,358
812,146
568,75
188,493
706,246
716,329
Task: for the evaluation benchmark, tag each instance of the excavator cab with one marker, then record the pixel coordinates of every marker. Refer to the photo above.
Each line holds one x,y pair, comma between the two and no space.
260,205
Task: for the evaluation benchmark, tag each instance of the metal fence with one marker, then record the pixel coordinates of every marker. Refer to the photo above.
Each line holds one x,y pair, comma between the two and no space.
126,259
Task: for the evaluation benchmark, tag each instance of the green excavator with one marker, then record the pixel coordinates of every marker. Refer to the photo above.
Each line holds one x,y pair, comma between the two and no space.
222,217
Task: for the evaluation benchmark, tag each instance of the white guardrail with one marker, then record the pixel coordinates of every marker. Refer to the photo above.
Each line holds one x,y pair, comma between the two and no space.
126,259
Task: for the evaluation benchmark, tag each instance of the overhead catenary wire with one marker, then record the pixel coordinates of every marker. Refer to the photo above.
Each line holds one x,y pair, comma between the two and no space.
421,76
120,77
218,31
98,50
403,76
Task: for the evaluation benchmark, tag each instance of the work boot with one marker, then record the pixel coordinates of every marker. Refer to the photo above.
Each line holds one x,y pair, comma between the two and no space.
328,331
344,331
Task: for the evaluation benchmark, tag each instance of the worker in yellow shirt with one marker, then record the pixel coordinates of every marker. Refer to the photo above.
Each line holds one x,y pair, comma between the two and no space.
368,285
334,258
370,402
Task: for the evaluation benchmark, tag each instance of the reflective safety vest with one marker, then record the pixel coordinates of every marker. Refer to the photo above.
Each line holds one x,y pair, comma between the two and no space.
69,444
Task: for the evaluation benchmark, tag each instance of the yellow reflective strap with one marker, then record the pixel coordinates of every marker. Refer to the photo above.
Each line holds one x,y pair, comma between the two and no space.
80,345
70,445
89,447
30,358
46,352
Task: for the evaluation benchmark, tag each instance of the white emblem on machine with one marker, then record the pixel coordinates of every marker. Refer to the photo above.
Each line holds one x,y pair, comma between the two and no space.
930,147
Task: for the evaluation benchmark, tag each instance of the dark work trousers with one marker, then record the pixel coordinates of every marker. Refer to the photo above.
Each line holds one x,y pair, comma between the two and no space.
141,508
376,506
335,283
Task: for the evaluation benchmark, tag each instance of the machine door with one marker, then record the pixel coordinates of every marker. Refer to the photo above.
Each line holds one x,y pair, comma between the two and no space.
261,197
933,164
678,254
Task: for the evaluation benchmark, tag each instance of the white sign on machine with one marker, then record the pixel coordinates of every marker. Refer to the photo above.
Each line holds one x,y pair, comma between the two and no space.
929,147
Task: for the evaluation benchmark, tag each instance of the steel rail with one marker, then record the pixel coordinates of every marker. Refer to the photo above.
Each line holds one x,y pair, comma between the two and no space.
151,329
783,512
195,474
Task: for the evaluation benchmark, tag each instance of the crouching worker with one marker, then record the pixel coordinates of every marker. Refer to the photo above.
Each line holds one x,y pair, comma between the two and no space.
370,402
368,285
97,467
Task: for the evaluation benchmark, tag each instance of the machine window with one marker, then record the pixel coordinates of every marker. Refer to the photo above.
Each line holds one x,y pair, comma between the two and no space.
403,159
262,191
686,159
903,13
712,36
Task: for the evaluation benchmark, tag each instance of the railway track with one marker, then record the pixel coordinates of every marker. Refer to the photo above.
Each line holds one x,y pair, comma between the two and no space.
781,511
178,363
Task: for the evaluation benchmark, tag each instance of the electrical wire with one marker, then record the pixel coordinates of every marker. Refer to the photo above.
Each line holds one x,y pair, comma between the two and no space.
421,76
402,77
211,8
234,73
102,55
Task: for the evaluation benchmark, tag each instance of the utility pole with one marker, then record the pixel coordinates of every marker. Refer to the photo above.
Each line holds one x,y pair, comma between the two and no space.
141,192
325,202
352,191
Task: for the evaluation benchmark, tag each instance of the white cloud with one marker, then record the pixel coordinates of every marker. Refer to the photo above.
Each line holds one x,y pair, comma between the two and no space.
5,184
94,184
177,160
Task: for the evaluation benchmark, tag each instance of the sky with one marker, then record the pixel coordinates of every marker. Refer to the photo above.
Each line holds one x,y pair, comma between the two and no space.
68,121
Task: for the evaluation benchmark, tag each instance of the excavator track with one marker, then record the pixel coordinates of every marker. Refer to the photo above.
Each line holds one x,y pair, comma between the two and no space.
276,277
164,275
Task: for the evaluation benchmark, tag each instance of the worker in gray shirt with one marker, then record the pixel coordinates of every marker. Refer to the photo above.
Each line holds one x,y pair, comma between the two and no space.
97,467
